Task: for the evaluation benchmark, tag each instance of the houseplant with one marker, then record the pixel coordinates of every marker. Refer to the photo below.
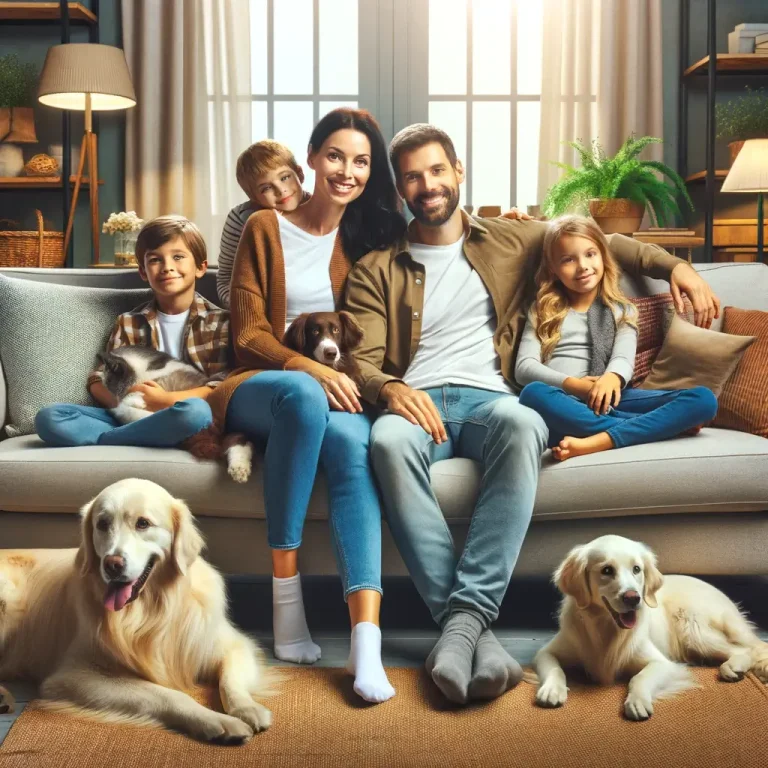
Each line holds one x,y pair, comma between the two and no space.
742,118
615,190
17,121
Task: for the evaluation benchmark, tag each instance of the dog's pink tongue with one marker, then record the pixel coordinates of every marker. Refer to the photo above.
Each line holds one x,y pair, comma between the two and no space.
118,594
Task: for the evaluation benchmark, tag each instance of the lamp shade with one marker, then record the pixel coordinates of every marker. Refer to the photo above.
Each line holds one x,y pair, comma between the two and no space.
749,172
72,70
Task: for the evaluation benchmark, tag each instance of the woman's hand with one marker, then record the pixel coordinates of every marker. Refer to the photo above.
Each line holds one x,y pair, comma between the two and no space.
342,393
605,392
155,397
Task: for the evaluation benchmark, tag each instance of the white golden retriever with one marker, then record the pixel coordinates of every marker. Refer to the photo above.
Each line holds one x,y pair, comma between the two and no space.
621,618
122,627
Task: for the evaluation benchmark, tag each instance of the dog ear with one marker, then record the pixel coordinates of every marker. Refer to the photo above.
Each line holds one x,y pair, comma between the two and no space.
572,577
86,556
351,332
295,336
653,579
187,541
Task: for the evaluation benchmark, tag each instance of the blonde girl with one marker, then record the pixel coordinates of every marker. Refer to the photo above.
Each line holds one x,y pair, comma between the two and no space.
577,353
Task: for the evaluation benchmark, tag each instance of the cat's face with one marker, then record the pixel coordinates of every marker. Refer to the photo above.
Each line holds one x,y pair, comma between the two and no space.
119,377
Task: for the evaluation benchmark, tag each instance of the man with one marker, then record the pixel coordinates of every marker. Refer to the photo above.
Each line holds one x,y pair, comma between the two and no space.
442,316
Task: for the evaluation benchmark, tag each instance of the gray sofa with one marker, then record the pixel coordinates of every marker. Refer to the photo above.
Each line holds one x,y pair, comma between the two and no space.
701,502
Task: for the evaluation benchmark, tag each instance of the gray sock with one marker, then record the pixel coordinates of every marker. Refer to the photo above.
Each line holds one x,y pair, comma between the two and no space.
494,671
450,663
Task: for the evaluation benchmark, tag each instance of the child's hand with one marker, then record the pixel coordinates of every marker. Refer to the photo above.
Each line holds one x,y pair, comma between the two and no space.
155,397
605,392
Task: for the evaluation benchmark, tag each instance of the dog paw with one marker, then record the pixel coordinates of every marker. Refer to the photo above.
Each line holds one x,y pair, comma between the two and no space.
222,729
6,701
257,716
637,707
239,462
551,694
734,669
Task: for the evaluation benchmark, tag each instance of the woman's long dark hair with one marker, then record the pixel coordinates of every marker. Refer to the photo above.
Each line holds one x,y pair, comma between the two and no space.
374,220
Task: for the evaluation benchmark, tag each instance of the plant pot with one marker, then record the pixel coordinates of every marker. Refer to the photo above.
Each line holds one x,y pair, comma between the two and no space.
619,215
17,125
734,147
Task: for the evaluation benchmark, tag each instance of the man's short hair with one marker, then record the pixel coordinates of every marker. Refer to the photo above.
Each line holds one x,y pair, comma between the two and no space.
260,158
416,136
159,231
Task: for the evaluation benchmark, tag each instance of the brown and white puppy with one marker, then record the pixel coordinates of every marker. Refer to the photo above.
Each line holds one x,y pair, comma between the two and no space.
328,337
121,628
620,617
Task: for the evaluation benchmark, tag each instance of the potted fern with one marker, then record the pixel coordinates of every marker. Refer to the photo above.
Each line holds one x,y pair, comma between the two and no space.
616,190
745,117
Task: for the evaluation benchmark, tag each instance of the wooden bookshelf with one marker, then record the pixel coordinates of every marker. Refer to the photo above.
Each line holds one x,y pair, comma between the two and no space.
38,182
732,64
701,177
45,12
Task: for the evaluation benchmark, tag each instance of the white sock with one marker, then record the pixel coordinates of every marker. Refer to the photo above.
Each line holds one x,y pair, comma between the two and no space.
289,624
365,664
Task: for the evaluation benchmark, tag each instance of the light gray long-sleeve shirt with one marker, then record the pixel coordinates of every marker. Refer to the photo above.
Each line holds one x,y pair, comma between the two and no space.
572,355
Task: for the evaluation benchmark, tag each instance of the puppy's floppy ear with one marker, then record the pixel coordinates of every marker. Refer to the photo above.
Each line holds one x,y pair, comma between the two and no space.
86,556
653,579
295,337
187,541
351,332
572,577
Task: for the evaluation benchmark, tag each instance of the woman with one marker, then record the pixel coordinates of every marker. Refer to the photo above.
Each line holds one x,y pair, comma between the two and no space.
310,415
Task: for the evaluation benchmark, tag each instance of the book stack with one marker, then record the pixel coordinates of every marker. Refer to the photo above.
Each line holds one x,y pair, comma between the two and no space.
743,39
761,43
664,235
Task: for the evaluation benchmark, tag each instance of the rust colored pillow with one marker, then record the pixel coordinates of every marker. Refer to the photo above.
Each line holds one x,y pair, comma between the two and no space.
743,403
652,324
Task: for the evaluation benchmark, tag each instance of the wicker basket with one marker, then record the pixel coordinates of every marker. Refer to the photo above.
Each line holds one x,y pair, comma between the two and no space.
31,249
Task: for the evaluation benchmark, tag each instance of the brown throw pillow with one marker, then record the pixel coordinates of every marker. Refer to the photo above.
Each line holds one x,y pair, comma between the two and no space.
743,403
652,322
693,357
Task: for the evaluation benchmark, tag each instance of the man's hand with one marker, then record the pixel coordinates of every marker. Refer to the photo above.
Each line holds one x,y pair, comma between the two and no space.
516,213
685,280
415,406
155,397
605,392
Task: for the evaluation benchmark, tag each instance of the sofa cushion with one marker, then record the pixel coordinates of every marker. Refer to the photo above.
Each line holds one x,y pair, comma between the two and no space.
49,337
717,470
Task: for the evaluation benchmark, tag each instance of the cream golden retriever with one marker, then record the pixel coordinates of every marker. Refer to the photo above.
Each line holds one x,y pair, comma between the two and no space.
122,627
621,618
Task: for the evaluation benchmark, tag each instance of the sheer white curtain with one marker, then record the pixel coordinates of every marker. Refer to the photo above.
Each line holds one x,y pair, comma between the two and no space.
601,78
190,64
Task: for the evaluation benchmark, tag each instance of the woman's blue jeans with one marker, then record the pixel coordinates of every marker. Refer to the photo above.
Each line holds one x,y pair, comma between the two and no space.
288,412
643,415
65,425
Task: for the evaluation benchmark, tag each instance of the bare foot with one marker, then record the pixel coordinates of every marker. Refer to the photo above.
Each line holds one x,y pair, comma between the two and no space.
693,430
580,446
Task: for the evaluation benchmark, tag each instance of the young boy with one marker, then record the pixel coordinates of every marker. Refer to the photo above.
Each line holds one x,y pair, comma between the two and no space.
269,174
172,256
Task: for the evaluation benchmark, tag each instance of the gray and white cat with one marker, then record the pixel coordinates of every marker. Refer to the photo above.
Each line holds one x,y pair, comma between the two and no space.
127,366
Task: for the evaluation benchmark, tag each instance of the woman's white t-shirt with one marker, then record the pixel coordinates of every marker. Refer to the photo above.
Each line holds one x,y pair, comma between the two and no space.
171,332
307,270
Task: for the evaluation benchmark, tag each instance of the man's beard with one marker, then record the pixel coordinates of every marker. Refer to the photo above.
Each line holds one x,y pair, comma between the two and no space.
436,216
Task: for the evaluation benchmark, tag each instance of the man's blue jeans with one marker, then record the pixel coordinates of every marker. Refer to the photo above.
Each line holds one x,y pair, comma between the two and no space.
643,415
507,439
287,412
74,425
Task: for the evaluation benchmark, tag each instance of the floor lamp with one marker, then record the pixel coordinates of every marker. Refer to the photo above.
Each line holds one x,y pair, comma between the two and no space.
749,174
86,77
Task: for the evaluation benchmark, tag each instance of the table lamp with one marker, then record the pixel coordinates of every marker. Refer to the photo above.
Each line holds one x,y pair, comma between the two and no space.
86,77
749,173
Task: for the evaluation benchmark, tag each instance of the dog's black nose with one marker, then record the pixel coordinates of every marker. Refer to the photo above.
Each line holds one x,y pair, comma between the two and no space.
329,354
114,565
631,599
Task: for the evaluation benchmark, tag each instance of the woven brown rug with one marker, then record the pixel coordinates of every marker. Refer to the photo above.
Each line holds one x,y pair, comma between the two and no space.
319,722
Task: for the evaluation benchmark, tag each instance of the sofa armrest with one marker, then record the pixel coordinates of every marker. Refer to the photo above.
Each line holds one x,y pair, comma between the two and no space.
3,401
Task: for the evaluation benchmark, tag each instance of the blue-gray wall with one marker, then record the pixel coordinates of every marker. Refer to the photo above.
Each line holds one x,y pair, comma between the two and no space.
31,42
729,14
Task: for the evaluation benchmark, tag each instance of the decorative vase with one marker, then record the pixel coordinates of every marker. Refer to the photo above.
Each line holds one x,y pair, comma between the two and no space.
11,160
125,249
619,215
734,148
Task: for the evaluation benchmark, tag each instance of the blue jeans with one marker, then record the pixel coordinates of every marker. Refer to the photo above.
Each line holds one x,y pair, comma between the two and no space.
643,415
74,425
508,440
288,411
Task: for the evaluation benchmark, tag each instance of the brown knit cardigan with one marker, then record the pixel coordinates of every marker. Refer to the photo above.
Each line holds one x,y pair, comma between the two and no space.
258,305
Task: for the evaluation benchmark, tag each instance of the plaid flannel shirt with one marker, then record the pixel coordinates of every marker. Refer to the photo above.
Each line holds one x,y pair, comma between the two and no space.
206,331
